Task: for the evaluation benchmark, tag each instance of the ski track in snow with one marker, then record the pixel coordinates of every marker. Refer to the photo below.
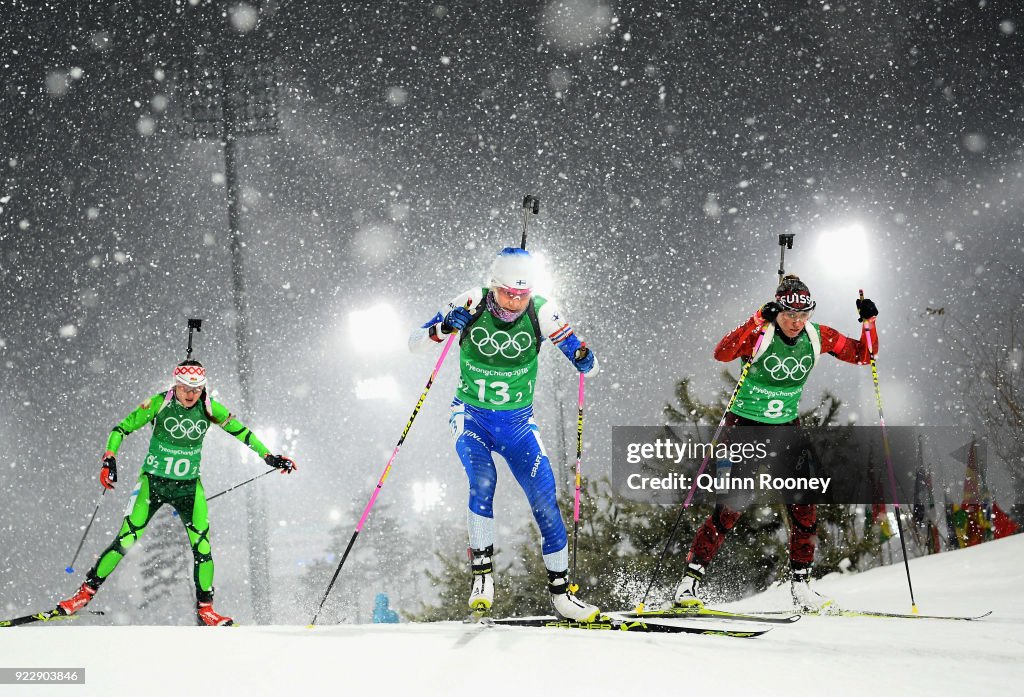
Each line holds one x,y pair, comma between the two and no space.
815,656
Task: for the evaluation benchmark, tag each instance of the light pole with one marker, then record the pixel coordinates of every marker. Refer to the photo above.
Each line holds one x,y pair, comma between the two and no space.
227,96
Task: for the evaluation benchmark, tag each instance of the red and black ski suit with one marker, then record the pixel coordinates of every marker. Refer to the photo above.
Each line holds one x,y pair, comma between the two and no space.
739,343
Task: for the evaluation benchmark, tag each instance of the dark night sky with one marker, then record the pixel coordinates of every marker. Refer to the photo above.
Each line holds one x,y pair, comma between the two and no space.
668,154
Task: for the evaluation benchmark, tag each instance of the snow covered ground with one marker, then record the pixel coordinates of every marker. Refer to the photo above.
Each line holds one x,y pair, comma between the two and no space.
815,656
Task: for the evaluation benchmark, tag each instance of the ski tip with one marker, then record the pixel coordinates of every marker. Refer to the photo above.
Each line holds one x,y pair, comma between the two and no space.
69,569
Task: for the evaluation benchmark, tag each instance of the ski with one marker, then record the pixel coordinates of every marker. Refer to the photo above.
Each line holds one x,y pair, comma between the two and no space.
874,613
610,623
47,616
708,613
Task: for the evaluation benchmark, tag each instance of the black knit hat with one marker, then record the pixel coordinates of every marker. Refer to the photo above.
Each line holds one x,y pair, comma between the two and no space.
793,294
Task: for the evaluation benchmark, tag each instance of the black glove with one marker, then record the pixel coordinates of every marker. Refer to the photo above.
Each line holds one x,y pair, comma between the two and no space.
108,475
866,309
456,320
770,310
285,464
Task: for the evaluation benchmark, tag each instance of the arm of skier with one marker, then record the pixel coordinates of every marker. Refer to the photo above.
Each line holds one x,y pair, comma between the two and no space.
740,342
436,331
555,327
230,423
241,432
133,422
141,416
848,349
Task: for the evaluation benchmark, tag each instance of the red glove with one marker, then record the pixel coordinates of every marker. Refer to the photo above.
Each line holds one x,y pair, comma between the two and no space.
108,475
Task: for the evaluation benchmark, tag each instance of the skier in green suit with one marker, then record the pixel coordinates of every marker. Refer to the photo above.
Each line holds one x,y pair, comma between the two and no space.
170,474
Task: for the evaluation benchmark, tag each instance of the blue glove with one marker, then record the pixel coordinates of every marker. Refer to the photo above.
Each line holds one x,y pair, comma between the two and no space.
455,321
583,359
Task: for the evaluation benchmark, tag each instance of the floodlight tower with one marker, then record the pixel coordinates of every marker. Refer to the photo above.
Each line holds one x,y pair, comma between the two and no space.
224,95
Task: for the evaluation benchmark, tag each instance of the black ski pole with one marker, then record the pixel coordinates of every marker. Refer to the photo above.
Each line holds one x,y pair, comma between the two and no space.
530,204
888,463
785,242
241,484
70,568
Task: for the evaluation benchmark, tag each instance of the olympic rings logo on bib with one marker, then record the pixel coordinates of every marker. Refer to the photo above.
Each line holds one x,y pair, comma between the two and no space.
185,428
508,345
788,368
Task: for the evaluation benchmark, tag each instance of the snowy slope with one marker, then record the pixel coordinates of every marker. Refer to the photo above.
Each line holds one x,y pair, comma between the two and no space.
816,656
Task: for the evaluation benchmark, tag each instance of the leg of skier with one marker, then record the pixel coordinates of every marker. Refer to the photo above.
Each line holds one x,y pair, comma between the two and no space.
524,452
142,506
705,546
802,543
190,502
473,445
710,536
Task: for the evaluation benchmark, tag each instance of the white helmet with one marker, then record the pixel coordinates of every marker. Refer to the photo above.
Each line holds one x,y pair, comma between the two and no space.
514,269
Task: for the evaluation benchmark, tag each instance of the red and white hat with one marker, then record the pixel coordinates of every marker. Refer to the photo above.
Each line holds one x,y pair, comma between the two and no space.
190,374
793,294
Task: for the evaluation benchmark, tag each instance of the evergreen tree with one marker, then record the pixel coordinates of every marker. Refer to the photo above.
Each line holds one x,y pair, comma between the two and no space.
387,557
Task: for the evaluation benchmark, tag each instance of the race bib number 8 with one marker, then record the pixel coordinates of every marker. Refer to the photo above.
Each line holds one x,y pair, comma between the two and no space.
774,409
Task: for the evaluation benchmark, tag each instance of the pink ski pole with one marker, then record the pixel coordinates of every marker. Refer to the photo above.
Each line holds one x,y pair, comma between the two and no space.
384,475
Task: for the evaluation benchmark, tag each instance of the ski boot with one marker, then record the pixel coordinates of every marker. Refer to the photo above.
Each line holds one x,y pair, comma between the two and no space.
481,597
77,601
568,606
807,599
686,593
207,616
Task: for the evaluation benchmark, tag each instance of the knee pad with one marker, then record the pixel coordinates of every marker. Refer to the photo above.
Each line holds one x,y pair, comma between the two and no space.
724,518
125,541
201,557
805,518
202,537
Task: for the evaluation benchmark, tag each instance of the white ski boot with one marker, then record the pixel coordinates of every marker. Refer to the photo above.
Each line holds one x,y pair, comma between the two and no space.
686,593
481,597
809,600
566,604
